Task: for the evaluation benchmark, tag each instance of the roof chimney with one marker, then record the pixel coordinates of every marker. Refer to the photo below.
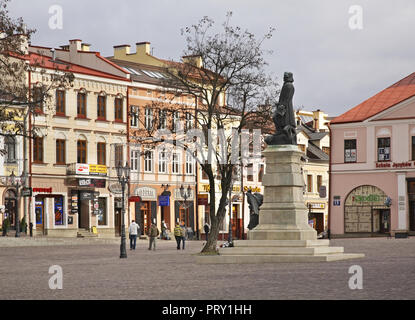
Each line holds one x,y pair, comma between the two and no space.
75,45
143,47
121,51
194,60
85,46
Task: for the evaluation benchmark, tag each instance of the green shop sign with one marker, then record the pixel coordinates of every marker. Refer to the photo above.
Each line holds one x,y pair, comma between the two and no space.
368,198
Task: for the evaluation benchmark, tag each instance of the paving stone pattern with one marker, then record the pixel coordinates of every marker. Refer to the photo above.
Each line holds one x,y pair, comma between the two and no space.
95,271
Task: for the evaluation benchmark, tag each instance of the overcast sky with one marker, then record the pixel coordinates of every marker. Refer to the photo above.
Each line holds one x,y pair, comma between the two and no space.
335,67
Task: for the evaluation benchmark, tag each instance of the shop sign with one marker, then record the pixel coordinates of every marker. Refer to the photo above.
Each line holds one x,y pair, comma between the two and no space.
336,201
74,201
235,189
86,195
203,199
316,205
115,188
395,165
322,192
134,199
26,192
164,201
366,195
42,190
366,198
97,169
146,193
81,168
97,183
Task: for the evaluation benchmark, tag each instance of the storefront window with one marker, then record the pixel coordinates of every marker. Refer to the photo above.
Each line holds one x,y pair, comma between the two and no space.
102,208
365,210
58,211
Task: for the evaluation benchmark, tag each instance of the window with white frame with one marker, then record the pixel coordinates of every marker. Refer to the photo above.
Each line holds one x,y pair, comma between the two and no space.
175,164
384,149
148,118
175,121
135,160
134,116
148,161
162,162
189,121
189,163
162,119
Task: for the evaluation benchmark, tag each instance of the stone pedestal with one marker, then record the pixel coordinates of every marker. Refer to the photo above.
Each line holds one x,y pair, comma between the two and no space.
283,215
283,233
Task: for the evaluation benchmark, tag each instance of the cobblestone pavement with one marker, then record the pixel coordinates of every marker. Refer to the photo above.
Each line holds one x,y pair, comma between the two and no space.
97,272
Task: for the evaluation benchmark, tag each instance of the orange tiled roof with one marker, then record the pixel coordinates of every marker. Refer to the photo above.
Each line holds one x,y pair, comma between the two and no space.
387,98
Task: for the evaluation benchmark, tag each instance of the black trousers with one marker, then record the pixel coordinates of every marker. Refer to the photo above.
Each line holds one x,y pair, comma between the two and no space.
178,240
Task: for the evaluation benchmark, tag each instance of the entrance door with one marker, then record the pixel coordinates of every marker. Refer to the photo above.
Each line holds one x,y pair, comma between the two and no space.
10,206
145,217
83,215
117,221
384,221
319,222
235,222
39,213
165,215
412,215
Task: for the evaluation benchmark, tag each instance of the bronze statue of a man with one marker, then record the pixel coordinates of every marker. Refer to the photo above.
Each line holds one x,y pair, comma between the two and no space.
284,118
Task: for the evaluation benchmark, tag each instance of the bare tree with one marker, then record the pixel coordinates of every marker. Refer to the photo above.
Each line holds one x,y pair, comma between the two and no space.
225,74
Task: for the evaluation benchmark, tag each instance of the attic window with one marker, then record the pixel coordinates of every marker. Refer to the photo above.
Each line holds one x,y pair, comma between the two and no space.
133,71
154,74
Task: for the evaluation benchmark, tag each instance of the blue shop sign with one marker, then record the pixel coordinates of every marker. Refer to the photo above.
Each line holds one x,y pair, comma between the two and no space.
164,201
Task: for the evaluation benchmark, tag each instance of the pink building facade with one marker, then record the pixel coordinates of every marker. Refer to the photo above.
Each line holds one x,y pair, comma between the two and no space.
372,165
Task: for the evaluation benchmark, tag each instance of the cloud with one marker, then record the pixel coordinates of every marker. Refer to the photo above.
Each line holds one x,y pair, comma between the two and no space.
335,68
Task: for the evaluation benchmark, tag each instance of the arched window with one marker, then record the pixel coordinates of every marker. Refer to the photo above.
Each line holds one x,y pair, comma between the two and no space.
118,108
81,103
102,106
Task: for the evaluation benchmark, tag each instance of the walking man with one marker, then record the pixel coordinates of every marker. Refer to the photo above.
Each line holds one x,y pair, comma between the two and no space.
133,231
153,234
178,235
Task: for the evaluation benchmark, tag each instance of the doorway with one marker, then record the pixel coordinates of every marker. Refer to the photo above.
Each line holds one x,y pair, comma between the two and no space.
145,217
412,215
384,220
40,213
10,203
236,222
83,215
117,221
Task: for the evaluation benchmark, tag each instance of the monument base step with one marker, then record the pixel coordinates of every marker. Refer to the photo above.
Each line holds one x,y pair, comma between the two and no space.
244,259
274,251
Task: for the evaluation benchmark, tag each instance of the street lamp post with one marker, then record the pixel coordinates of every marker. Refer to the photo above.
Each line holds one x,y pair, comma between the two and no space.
17,183
123,174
